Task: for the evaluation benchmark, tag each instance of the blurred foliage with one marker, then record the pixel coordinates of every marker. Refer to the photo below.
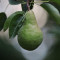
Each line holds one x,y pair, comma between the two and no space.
53,12
54,51
57,6
54,3
8,52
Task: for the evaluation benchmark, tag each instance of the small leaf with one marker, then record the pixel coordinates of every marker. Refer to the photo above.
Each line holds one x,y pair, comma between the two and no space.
3,18
15,25
7,23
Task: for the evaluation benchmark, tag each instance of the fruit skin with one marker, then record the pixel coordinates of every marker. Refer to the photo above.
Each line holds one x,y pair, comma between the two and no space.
29,35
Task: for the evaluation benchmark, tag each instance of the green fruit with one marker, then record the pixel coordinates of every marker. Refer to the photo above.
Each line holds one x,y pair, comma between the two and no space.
30,35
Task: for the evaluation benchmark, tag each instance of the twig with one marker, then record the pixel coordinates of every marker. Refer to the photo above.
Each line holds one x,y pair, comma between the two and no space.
28,4
34,2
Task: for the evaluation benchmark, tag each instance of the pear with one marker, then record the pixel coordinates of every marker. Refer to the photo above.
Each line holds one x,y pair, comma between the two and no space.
29,35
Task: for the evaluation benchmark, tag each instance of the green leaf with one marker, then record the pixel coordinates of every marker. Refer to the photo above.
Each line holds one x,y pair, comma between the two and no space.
15,2
15,25
56,5
3,18
53,12
10,18
56,1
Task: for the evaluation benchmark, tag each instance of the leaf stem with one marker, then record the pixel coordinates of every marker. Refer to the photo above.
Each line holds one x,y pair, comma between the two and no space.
34,2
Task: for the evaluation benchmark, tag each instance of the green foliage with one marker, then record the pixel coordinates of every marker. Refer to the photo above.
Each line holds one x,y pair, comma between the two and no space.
53,12
23,3
15,25
56,1
30,36
11,17
8,52
54,51
56,5
3,17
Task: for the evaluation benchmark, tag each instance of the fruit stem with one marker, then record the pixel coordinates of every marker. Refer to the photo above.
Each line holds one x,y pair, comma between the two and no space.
28,5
